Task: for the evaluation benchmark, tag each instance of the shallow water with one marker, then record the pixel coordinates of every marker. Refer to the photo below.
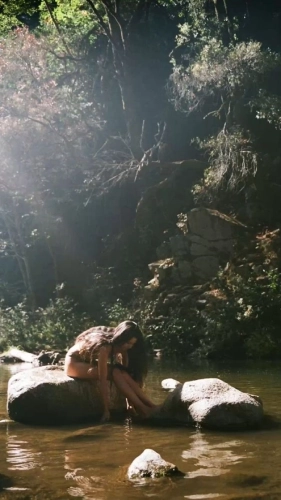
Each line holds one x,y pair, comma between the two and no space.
90,462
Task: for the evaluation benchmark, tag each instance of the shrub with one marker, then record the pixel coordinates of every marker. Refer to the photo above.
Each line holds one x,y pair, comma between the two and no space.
247,322
53,327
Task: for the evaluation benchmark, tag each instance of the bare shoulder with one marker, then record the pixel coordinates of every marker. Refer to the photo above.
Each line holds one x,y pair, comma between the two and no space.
75,348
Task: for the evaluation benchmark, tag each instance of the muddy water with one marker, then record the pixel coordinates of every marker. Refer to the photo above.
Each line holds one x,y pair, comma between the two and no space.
90,463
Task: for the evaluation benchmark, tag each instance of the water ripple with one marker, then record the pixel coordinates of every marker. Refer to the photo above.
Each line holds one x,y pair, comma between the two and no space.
20,457
213,459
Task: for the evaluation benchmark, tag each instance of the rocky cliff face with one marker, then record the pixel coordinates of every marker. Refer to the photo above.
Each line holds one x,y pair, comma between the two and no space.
205,243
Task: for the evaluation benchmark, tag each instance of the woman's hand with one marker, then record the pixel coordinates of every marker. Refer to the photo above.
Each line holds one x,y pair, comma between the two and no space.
105,417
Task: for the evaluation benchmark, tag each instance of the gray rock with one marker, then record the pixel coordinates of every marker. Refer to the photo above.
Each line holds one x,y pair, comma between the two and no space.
179,245
151,464
169,384
199,240
164,250
224,246
205,267
17,356
213,404
212,225
198,250
161,269
45,395
184,269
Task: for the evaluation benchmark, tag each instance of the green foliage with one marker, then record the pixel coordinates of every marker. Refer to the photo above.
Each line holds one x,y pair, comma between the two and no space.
231,75
11,13
177,335
116,313
71,25
53,327
233,165
247,321
228,82
243,322
268,107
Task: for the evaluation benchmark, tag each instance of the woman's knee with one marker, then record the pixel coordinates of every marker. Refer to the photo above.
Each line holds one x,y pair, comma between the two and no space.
117,373
126,375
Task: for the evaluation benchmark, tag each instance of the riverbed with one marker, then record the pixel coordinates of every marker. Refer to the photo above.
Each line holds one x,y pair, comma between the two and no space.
89,462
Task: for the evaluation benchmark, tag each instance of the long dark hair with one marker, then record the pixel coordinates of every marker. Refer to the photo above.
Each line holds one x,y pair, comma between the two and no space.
99,336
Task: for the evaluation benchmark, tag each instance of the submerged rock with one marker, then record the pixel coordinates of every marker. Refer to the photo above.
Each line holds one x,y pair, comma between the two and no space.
151,464
213,404
45,395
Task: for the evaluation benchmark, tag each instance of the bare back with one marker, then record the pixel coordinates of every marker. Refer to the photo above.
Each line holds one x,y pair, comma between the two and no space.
86,335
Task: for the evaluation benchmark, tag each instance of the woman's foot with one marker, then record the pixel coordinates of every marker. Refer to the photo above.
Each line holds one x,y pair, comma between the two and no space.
148,412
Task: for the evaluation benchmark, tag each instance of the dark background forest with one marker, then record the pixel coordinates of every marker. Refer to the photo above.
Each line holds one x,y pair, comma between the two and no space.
102,104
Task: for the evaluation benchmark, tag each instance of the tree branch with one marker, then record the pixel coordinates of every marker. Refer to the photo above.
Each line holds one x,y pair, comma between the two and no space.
56,24
115,15
101,21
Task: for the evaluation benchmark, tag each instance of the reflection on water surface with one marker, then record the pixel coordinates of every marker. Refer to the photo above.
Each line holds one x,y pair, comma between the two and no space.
90,462
213,459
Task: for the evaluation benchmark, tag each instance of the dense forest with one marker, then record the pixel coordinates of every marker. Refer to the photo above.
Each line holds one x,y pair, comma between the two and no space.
117,118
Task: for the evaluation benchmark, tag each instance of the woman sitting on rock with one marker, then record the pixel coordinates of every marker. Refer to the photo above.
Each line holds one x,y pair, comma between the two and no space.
117,354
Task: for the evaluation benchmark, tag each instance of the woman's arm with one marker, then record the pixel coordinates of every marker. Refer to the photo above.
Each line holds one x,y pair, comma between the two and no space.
103,372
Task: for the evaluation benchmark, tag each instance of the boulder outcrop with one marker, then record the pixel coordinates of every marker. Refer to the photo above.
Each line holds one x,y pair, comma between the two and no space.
45,395
206,242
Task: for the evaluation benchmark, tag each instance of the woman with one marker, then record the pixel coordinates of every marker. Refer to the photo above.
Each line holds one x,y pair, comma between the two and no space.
95,354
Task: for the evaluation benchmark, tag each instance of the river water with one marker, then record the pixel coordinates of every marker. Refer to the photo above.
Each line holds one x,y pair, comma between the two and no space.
90,462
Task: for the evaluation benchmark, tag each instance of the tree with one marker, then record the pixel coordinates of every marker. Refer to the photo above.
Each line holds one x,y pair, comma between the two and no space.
229,83
127,55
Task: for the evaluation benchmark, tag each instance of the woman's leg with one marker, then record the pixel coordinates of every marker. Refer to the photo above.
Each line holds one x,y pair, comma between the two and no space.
138,390
123,386
78,369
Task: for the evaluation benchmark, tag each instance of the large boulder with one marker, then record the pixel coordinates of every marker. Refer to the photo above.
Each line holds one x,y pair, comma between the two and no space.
213,404
45,395
212,225
194,256
150,464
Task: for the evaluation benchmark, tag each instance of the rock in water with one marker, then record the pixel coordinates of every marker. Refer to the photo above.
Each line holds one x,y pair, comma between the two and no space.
169,384
213,404
47,396
17,356
151,464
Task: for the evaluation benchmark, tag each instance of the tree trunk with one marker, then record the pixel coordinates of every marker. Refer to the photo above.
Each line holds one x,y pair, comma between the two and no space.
23,253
